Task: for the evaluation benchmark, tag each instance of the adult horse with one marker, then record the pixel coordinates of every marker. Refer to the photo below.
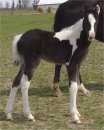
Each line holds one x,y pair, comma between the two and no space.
67,14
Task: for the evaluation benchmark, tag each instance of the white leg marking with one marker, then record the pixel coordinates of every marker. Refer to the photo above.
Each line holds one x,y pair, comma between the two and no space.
24,88
84,90
73,107
9,106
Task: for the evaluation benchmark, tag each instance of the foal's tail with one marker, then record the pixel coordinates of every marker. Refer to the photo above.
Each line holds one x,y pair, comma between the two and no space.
16,56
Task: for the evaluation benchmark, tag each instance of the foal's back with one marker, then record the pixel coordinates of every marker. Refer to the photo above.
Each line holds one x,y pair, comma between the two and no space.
39,43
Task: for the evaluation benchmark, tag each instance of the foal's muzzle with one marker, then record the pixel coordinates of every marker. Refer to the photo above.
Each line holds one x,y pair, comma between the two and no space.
91,36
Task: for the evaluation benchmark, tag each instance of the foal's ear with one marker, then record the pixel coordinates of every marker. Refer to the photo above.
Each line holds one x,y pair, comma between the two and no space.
97,9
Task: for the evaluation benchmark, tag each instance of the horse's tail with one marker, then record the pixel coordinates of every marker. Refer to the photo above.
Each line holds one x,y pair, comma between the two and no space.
16,56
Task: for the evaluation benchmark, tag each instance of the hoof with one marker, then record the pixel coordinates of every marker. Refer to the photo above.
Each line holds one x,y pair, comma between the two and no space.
57,94
77,122
9,117
30,119
88,93
56,89
33,120
75,117
29,116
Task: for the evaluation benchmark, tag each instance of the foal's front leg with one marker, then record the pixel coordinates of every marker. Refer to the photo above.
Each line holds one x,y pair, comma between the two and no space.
73,88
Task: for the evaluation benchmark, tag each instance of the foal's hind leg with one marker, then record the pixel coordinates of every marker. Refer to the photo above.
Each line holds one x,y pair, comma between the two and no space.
15,86
56,87
82,88
25,83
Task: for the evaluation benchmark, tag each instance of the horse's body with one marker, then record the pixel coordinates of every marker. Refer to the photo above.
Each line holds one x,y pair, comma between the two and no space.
69,46
71,11
67,14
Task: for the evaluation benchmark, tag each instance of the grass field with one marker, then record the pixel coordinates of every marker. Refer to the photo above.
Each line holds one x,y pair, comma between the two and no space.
51,113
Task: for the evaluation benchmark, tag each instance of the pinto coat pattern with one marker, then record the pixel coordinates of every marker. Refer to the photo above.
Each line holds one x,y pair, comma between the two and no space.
67,14
69,46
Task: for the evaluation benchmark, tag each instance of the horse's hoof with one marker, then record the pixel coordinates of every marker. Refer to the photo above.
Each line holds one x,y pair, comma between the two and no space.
88,93
57,94
9,117
56,89
33,120
77,122
29,116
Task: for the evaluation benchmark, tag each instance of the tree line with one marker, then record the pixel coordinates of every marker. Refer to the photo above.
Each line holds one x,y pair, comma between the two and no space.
21,4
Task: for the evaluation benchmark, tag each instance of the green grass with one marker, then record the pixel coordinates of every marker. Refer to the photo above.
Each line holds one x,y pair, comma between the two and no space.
6,12
51,113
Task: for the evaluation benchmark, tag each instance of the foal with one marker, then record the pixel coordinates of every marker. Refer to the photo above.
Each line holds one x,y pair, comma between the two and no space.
69,46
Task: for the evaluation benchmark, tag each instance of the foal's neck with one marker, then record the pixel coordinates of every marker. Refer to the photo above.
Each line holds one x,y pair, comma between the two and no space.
72,32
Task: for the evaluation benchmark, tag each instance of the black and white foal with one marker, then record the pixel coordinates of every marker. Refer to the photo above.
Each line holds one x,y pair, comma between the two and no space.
69,46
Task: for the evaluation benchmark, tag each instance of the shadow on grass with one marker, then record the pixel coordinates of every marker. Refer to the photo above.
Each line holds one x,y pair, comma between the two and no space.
17,118
95,86
43,92
48,92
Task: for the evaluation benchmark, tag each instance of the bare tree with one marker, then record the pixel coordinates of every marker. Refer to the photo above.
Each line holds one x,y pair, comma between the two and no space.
7,5
25,3
35,4
13,5
1,6
19,4
12,8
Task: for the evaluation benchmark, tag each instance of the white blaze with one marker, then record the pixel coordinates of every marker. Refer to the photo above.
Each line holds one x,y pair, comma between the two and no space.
92,22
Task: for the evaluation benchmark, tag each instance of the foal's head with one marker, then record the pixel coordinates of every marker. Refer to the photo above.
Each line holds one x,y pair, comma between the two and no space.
90,22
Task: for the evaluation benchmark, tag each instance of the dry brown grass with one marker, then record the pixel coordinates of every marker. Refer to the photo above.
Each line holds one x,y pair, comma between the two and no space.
51,113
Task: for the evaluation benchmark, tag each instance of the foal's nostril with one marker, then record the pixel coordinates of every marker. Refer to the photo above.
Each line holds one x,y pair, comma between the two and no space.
91,35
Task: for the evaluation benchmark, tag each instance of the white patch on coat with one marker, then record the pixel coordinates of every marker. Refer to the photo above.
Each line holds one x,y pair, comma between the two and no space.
16,56
71,33
92,21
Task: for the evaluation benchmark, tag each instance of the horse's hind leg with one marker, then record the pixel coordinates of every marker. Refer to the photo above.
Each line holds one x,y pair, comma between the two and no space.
25,83
82,88
15,86
56,87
